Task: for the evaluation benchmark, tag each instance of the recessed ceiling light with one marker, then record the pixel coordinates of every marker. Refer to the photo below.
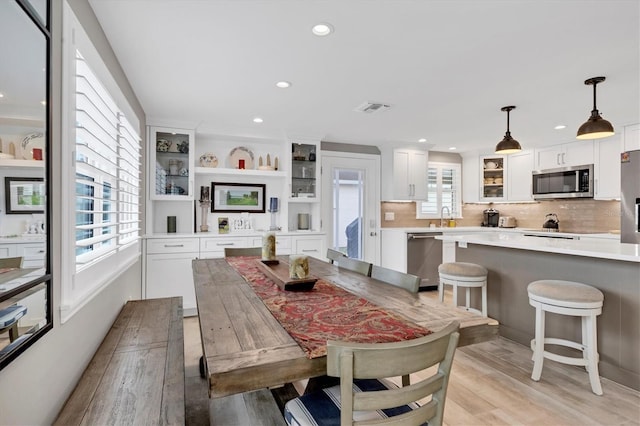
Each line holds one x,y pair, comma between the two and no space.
452,148
258,120
1,95
322,30
283,84
560,127
422,140
43,102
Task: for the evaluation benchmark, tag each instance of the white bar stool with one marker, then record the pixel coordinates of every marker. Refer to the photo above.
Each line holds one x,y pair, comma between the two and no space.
463,274
567,298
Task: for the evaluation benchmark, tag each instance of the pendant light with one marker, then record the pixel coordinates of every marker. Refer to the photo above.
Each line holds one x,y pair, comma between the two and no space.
508,145
595,127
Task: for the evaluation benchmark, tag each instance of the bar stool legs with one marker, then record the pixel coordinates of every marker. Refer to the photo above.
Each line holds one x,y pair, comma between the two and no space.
467,275
572,299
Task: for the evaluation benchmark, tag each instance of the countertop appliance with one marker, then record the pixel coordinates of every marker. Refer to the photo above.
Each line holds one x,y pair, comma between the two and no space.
564,182
507,222
630,197
424,255
551,223
491,218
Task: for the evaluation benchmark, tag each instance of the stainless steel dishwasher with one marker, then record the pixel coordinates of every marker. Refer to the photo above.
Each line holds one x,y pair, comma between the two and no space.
424,254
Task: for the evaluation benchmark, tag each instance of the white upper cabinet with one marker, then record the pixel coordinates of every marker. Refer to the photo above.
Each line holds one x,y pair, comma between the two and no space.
632,137
410,174
470,176
607,168
519,179
564,155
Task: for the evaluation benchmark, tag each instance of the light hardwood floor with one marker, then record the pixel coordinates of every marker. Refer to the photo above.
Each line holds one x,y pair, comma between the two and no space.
490,385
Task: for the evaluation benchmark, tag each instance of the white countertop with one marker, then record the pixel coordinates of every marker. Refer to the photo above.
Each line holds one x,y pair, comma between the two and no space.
20,239
484,229
251,233
603,248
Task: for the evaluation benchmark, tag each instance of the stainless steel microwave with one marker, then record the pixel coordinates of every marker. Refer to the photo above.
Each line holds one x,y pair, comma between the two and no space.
564,182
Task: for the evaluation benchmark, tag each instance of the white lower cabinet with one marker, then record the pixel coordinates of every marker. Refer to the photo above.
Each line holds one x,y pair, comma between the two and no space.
169,272
213,247
168,261
310,246
283,244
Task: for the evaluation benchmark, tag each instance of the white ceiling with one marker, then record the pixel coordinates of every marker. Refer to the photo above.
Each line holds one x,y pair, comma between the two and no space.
446,67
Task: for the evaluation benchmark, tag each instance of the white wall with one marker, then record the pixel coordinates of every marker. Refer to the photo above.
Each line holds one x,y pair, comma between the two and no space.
36,384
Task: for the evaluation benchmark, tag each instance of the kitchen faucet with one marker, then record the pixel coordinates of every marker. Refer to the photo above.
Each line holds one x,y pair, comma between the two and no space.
442,214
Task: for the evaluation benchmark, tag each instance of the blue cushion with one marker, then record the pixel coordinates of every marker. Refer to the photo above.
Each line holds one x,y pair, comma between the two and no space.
11,314
323,407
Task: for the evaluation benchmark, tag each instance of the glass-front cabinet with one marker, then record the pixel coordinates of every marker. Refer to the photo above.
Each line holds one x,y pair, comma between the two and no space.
303,171
171,163
493,178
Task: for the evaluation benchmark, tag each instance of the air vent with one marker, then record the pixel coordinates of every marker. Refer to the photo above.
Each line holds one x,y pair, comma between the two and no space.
371,107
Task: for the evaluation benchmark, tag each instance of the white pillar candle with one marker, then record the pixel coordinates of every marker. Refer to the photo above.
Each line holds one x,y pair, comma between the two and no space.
269,246
298,266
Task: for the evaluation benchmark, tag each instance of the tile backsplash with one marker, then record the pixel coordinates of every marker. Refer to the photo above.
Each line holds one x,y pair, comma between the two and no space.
580,216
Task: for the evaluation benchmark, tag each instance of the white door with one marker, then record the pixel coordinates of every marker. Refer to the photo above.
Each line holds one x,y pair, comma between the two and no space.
351,204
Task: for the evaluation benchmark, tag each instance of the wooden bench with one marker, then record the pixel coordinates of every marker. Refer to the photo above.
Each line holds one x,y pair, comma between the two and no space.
255,408
137,374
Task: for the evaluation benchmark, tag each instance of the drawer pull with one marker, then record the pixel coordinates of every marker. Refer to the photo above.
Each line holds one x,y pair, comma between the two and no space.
225,244
174,245
306,250
40,251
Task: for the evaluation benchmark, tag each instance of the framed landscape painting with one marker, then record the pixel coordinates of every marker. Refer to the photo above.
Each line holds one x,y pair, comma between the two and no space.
238,197
24,195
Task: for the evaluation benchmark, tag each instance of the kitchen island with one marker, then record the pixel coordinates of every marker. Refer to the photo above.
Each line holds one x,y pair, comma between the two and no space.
514,260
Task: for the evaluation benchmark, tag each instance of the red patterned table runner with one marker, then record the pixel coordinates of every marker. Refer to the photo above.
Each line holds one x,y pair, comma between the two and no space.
327,312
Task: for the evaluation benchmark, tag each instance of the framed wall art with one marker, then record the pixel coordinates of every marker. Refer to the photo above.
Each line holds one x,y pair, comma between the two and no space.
238,197
24,195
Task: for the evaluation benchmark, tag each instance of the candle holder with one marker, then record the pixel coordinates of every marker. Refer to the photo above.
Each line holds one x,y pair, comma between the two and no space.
273,209
205,206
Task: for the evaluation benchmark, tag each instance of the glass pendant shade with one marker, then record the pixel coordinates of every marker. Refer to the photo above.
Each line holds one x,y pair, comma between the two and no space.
595,127
508,145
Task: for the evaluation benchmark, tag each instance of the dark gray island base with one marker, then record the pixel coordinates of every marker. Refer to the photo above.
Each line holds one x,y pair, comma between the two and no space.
511,270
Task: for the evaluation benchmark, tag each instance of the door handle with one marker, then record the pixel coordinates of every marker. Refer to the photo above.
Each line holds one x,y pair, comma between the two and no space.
373,234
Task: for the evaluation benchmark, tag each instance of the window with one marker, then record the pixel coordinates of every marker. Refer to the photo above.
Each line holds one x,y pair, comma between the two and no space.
443,190
103,182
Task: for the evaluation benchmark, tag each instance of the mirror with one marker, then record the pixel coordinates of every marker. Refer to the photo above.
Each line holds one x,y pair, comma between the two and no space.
25,288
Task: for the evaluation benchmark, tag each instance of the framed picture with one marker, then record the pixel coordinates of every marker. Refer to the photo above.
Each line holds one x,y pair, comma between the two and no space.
24,195
238,197
223,225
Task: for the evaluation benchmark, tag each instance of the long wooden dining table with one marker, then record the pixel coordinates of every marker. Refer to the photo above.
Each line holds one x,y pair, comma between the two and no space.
245,348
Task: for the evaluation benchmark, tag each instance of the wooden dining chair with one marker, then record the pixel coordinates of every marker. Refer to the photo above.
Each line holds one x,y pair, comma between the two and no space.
334,256
244,251
354,265
11,262
399,279
366,394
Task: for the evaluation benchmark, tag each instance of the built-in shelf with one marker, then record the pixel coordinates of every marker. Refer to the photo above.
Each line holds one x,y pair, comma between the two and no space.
239,172
303,200
21,163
